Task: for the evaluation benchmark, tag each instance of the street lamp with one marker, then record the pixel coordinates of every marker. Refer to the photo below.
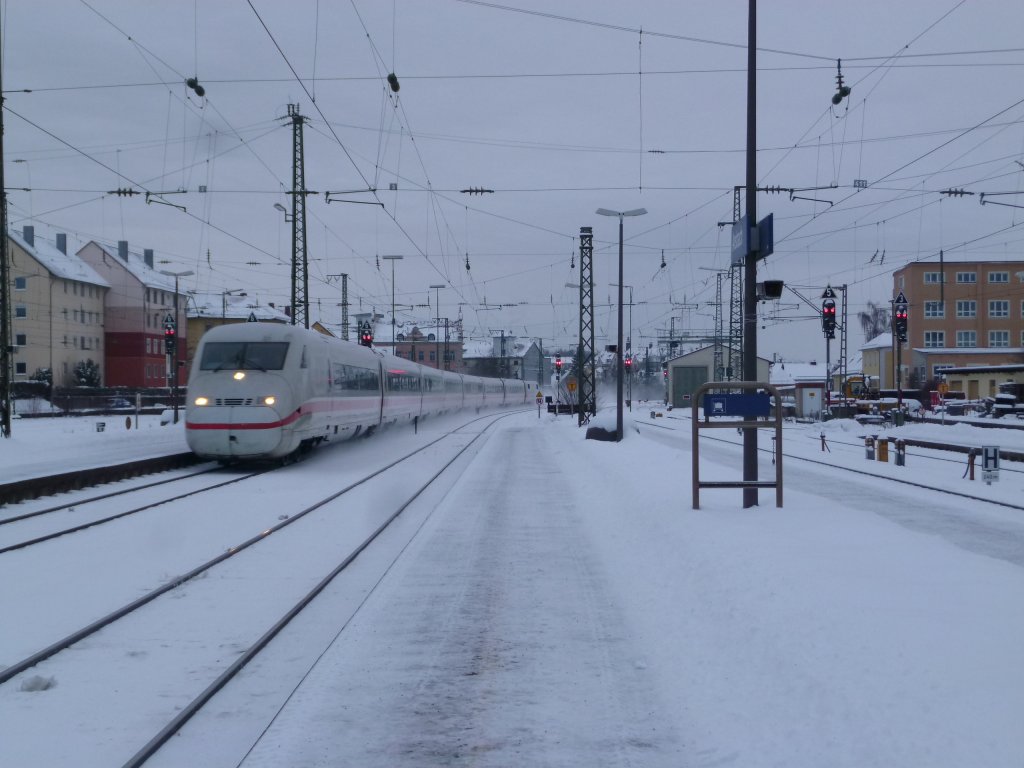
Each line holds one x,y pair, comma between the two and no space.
392,259
174,355
619,366
629,346
437,327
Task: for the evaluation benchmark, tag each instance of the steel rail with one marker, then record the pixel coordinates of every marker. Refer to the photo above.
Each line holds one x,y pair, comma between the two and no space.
911,483
192,708
126,513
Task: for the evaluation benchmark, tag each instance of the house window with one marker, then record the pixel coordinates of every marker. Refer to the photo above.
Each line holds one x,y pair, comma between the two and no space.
21,340
999,338
932,277
967,277
21,311
21,368
966,308
934,309
967,338
433,357
421,354
149,345
998,308
935,338
20,283
999,277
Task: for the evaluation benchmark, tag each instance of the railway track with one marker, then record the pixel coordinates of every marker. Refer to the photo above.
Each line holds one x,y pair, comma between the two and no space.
32,488
319,568
81,508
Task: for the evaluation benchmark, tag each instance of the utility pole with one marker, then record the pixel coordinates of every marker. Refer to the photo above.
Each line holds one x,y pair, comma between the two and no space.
750,261
300,277
719,364
6,363
586,369
344,306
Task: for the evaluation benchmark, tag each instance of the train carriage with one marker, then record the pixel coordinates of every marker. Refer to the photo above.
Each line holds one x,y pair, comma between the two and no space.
266,390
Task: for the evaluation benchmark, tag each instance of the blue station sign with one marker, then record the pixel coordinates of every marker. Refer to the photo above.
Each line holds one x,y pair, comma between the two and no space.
748,406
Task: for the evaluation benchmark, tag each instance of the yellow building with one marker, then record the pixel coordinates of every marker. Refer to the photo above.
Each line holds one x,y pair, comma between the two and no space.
57,309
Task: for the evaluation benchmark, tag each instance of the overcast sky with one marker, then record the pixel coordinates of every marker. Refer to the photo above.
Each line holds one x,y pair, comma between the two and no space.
559,108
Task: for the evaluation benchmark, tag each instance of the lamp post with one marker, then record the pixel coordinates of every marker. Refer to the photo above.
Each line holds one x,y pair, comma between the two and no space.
629,346
437,327
392,258
618,349
174,355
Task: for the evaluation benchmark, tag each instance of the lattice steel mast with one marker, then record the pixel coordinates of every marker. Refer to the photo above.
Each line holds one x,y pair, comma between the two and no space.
585,366
300,276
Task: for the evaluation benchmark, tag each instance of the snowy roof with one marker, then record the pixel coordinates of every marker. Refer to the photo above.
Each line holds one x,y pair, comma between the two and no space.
881,341
230,306
136,265
514,347
970,350
791,373
59,264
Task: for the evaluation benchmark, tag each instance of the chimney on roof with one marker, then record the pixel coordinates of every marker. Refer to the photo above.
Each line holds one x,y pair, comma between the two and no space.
29,233
62,243
122,250
147,256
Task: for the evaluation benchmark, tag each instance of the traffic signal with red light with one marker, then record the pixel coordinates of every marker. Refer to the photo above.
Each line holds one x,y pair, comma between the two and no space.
366,335
828,318
899,321
170,339
558,365
628,362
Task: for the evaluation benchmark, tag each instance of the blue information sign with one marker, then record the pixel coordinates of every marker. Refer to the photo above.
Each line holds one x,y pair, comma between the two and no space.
740,240
746,405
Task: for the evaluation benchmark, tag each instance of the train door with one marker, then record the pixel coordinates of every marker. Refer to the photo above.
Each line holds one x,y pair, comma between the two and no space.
381,391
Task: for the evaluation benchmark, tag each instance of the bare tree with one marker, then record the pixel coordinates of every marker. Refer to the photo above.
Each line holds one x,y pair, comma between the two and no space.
874,321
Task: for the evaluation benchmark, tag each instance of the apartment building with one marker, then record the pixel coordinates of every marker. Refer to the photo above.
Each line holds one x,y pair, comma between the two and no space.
961,314
139,300
57,309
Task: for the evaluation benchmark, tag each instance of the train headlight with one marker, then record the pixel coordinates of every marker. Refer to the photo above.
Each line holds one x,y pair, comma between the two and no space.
269,400
239,375
201,401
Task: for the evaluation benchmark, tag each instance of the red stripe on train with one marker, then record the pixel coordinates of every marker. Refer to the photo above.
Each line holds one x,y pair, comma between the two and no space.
248,425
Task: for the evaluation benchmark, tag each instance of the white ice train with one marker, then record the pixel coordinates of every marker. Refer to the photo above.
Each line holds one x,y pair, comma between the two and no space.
267,390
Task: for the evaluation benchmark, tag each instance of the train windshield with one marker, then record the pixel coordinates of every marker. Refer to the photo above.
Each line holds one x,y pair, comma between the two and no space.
244,355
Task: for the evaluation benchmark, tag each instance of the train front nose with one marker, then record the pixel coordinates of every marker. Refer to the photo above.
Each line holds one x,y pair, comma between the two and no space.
246,424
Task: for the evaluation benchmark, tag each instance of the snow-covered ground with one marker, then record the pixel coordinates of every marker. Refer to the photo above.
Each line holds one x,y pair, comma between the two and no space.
562,604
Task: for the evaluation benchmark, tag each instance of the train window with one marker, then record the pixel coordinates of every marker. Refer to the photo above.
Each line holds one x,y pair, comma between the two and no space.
240,355
403,381
352,378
